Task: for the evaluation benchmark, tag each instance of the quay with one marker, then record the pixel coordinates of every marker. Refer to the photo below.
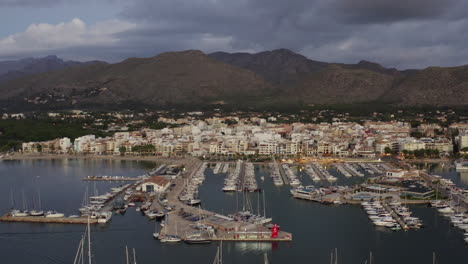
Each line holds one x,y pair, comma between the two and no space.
111,179
48,220
241,179
178,221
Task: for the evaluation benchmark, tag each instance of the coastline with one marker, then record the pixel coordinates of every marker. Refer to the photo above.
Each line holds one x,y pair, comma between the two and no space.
97,157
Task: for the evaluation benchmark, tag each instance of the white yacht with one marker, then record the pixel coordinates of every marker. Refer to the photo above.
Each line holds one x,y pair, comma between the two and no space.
104,217
19,213
54,214
36,213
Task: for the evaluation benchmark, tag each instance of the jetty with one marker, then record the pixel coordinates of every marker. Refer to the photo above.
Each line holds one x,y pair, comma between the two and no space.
110,178
187,220
50,220
396,217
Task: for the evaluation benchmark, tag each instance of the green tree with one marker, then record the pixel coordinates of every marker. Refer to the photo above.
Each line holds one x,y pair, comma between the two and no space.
388,150
39,147
122,150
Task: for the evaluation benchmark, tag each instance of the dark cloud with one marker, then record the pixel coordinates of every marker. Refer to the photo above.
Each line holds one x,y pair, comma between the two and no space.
384,11
398,33
34,3
402,34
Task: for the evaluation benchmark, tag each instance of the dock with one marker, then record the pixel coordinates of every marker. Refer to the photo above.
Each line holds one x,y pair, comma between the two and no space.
48,220
111,179
183,221
241,179
396,217
283,175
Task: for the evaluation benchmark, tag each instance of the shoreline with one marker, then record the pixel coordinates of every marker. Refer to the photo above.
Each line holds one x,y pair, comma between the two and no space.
167,159
97,157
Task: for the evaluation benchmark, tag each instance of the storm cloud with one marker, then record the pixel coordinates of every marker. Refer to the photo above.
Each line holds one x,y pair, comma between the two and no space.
403,34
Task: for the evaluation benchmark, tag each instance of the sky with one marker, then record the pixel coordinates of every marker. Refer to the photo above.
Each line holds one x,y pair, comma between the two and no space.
395,33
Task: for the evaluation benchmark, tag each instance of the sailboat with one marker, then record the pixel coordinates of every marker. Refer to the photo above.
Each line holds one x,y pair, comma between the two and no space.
21,213
128,257
171,238
219,254
80,253
38,211
196,238
156,232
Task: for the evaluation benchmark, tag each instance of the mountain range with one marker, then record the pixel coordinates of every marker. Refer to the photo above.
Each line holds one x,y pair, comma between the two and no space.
192,79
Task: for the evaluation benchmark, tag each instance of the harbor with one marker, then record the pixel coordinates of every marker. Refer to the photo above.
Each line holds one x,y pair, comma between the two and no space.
218,217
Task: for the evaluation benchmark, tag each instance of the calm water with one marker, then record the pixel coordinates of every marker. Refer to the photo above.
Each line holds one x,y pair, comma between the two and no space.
447,170
316,229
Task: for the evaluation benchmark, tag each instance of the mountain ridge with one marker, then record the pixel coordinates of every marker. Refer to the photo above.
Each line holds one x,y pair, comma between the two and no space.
270,78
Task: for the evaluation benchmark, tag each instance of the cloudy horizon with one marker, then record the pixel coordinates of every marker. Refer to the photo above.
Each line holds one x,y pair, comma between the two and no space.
401,34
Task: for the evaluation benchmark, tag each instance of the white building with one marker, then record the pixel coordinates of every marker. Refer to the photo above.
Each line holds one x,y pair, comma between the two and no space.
155,184
65,144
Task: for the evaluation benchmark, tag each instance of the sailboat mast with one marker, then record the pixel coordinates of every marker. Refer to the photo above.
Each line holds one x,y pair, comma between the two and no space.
336,256
258,204
89,243
134,256
76,261
24,200
370,257
264,208
39,195
82,249
12,199
221,253
126,254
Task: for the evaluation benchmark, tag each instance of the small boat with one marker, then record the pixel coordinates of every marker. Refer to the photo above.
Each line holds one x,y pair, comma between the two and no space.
171,238
36,213
104,217
194,202
131,205
74,216
446,210
151,214
18,213
196,239
262,178
54,214
159,214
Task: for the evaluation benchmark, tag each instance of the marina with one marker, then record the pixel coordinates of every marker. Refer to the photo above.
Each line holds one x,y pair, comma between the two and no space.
290,176
322,173
194,223
275,174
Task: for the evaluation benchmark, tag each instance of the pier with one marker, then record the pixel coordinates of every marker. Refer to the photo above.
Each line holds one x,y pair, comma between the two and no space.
182,223
111,178
283,175
48,220
241,179
396,217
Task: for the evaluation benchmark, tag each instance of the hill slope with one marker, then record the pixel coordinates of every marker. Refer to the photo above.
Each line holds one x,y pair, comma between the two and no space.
10,70
192,78
188,77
